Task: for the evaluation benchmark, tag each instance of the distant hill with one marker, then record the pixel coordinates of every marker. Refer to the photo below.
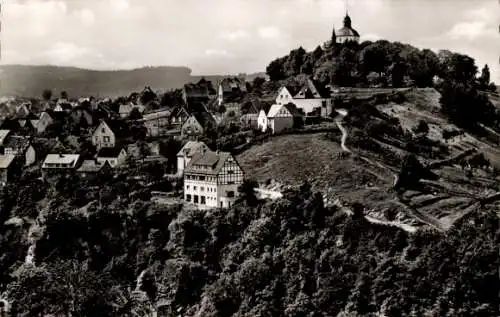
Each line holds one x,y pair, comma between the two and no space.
30,81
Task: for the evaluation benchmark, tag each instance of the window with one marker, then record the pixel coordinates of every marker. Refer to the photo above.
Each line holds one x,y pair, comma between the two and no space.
202,200
230,193
195,199
202,189
103,130
188,197
202,178
187,187
107,139
230,172
194,187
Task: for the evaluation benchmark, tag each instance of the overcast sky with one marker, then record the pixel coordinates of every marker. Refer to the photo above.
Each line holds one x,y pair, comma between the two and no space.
229,36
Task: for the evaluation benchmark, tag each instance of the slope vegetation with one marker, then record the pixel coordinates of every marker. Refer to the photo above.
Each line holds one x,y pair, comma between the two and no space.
380,135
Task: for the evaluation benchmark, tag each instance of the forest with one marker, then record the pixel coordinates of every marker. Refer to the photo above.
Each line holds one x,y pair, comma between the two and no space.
124,256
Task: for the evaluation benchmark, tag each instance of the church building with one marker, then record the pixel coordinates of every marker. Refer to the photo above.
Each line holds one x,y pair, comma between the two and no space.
345,34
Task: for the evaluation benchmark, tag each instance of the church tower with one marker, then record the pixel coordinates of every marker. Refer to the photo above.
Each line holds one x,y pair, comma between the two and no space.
334,36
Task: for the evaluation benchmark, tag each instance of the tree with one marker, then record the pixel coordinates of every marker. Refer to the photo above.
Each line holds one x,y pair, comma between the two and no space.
484,79
247,192
64,94
257,83
135,114
47,94
275,70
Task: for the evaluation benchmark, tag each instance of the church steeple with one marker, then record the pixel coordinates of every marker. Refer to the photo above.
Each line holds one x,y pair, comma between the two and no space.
347,21
334,36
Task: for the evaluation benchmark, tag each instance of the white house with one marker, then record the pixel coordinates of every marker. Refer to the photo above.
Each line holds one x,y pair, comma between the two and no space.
60,163
278,118
212,179
186,154
103,136
114,156
43,122
309,98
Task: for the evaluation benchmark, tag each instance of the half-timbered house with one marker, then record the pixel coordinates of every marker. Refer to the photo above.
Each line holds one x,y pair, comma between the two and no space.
211,179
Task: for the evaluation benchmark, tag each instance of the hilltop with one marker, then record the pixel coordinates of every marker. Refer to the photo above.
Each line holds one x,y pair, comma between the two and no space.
380,134
30,81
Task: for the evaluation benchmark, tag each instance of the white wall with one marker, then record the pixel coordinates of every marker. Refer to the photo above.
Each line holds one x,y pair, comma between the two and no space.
203,188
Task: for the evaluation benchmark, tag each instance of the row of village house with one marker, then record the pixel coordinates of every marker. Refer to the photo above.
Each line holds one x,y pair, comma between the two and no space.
210,179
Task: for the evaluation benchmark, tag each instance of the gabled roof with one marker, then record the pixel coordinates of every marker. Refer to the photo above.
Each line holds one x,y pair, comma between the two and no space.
311,90
91,166
3,135
276,108
179,111
6,160
190,148
113,152
208,162
156,115
10,124
118,127
293,90
71,159
204,119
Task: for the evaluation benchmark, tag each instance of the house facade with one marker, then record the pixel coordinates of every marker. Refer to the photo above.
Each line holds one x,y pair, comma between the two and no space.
43,122
187,152
20,147
310,98
114,156
91,168
103,136
79,113
229,89
278,119
157,123
197,125
5,168
178,115
211,179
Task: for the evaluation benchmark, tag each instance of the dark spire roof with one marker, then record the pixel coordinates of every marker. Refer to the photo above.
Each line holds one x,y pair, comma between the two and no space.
347,21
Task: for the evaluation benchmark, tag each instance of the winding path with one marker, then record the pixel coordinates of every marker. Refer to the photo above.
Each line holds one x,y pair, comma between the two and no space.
338,122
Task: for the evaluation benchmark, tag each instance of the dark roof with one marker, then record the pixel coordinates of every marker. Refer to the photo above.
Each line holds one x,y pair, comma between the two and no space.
109,152
119,127
293,89
213,160
179,110
10,124
204,118
91,166
293,109
56,115
196,106
346,31
231,83
16,142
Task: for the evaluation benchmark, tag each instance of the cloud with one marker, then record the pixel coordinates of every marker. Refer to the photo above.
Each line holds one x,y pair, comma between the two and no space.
132,33
269,32
468,30
215,52
234,35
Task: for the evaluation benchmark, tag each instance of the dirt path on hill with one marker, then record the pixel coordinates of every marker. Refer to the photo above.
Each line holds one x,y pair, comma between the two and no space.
338,122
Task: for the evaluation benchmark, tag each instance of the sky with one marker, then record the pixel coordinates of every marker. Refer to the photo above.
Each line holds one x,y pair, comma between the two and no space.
232,36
